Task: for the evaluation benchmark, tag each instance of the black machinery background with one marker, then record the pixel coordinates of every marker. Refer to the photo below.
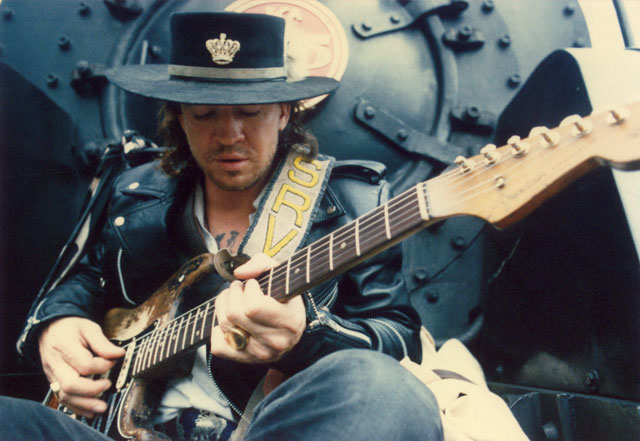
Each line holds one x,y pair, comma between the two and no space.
548,307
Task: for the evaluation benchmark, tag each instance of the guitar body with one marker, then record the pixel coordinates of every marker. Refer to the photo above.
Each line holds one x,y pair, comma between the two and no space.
132,400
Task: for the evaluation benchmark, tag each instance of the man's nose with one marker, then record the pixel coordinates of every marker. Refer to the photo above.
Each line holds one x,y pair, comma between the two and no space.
229,130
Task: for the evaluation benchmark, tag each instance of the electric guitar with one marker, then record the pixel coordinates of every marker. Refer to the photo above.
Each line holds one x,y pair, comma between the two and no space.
501,185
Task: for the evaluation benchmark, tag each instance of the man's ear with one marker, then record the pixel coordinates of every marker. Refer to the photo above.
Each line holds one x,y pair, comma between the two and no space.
285,113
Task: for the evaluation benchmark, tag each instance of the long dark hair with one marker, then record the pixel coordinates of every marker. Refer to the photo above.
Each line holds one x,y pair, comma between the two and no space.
178,159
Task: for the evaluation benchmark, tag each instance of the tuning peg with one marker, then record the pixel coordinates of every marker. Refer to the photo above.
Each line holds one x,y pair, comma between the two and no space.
616,116
490,153
464,164
518,147
549,137
580,125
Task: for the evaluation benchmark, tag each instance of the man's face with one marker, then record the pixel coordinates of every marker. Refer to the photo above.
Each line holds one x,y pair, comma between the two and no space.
234,145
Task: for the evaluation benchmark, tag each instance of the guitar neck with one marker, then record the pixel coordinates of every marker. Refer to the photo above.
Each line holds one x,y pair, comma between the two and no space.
501,185
322,260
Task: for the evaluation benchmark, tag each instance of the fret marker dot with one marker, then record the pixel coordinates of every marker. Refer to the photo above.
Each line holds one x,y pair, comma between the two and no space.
343,245
297,270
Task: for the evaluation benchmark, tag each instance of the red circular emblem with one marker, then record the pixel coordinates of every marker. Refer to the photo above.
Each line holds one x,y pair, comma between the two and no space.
313,31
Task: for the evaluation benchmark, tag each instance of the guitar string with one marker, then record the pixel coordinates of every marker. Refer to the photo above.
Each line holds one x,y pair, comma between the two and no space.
277,272
347,232
564,132
560,152
160,333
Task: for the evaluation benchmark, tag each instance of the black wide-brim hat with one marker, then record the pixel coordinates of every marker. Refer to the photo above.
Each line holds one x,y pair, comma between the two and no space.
223,58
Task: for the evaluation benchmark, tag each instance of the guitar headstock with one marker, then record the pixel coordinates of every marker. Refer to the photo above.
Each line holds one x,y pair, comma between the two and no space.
504,184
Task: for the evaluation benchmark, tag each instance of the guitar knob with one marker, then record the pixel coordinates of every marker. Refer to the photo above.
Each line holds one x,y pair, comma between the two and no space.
490,153
549,137
580,125
463,163
616,116
518,147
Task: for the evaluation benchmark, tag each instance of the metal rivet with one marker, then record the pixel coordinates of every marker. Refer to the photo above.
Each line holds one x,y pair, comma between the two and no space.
472,113
64,43
514,80
465,32
569,10
155,51
458,242
134,185
420,275
592,380
84,9
504,41
7,13
84,68
487,5
394,19
331,209
579,42
365,27
369,112
52,80
119,221
432,296
403,134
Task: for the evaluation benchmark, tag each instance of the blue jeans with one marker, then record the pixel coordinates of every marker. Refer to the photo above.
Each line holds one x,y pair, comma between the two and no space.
349,395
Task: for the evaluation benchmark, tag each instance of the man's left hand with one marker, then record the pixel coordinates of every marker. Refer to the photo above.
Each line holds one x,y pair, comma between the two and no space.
274,328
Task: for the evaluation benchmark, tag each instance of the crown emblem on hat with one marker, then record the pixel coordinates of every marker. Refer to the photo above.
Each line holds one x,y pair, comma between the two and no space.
222,50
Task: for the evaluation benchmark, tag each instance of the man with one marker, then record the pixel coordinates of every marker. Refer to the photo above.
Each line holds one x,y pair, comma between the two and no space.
241,175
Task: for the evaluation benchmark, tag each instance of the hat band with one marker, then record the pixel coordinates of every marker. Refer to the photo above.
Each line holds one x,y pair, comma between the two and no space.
266,73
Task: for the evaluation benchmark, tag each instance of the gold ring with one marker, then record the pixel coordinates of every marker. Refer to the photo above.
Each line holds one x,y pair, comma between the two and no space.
55,387
236,337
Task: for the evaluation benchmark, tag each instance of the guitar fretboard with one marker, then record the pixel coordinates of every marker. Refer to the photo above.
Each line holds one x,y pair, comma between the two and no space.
325,258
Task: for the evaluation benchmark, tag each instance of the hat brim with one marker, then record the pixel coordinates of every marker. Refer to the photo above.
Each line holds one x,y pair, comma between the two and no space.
154,81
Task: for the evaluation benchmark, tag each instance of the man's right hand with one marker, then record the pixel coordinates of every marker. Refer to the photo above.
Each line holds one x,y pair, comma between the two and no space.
72,348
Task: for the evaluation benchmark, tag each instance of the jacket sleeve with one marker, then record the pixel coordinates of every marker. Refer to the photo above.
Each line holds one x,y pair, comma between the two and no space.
368,307
80,294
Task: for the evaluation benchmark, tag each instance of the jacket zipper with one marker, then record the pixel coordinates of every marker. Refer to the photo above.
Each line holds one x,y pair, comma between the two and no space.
322,319
222,394
405,352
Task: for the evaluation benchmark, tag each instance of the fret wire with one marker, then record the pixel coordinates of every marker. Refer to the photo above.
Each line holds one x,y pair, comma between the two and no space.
331,252
286,291
177,339
387,229
158,345
193,329
204,321
185,330
167,348
308,263
150,347
357,239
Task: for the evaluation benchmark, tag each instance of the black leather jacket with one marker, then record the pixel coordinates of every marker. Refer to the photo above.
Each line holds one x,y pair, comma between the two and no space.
148,235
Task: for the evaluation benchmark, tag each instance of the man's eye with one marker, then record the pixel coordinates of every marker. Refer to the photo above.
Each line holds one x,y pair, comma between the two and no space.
249,113
202,116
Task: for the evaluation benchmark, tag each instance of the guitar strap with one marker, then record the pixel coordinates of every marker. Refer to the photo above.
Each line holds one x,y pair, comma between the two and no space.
287,207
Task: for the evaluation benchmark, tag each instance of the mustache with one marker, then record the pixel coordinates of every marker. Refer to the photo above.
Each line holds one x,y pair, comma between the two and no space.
219,150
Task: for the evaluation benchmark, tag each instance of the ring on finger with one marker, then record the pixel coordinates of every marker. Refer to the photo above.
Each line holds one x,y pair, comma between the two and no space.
55,387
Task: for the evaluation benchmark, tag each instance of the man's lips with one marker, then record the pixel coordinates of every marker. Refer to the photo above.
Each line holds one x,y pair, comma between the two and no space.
231,162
